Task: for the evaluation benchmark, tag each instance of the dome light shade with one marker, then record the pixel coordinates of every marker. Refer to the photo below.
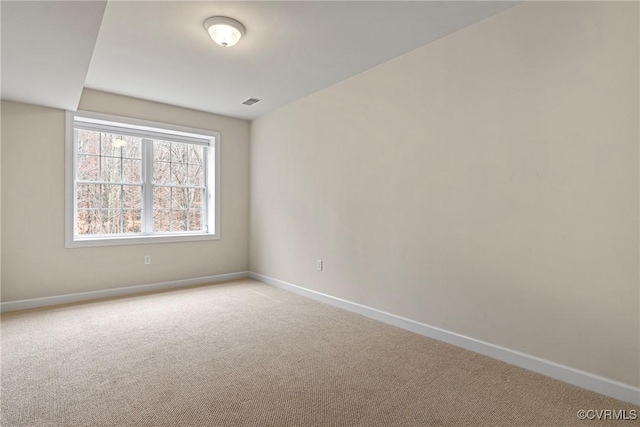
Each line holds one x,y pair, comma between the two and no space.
224,31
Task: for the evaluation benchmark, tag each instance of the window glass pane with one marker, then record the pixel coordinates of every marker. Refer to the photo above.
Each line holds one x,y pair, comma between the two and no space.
88,142
195,175
111,169
195,154
195,198
132,221
179,152
179,173
111,197
161,221
132,147
88,222
88,168
111,144
132,197
111,220
179,221
162,197
131,170
161,151
195,220
88,196
161,172
179,198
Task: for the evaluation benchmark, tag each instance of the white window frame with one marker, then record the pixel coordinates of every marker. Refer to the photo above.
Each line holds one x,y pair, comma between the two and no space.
173,132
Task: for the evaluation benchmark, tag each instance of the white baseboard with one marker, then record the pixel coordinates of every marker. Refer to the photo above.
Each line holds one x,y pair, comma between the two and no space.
117,292
586,380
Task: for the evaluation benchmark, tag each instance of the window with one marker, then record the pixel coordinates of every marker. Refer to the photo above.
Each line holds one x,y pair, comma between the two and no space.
133,181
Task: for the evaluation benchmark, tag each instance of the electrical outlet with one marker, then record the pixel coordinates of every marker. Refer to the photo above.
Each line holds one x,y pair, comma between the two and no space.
319,265
147,259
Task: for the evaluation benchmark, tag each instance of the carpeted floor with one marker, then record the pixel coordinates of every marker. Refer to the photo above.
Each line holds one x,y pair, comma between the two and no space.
246,354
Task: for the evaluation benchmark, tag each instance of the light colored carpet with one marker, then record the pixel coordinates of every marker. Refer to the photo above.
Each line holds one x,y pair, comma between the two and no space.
246,354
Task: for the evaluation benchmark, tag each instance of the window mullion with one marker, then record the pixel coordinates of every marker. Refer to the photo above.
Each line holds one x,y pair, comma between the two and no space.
147,186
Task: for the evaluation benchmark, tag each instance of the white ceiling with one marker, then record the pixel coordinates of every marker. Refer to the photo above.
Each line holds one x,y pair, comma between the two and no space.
46,48
160,50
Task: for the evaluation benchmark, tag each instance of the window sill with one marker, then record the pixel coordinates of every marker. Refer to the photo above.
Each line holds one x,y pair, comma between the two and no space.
137,240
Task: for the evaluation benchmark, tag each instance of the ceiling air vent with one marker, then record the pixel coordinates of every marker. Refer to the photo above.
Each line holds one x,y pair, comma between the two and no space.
251,101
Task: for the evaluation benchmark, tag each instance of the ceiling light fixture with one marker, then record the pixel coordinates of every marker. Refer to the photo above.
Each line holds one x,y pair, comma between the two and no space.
224,31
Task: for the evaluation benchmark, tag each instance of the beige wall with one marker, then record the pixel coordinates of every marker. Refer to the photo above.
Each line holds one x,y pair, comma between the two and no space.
0,203
34,260
486,183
